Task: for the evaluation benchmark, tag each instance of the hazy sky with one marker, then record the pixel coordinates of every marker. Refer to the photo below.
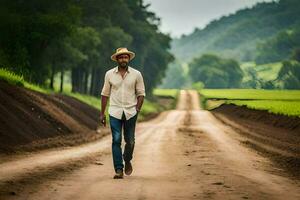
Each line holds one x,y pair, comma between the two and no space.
182,16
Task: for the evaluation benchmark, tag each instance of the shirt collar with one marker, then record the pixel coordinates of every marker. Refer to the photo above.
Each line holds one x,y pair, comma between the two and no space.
117,69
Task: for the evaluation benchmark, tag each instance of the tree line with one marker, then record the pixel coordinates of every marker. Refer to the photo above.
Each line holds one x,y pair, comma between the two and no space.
40,39
212,71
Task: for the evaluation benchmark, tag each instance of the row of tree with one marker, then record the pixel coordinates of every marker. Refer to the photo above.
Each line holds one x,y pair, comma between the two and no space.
211,71
38,39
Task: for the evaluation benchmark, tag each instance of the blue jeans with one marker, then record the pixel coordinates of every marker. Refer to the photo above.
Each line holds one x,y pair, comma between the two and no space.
128,126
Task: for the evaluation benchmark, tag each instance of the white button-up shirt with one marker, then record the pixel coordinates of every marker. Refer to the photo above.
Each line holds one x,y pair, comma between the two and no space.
123,92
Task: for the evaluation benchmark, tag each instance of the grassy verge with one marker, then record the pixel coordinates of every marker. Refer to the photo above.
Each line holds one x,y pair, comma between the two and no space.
11,77
18,80
289,108
285,102
164,99
172,93
251,94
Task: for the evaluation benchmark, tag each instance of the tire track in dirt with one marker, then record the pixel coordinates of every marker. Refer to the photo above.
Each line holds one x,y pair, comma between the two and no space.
280,145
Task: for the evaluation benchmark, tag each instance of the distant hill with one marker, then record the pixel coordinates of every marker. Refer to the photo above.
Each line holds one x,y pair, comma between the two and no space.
236,36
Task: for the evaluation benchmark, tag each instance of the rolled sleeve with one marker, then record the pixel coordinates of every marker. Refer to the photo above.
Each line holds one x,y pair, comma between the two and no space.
140,86
106,86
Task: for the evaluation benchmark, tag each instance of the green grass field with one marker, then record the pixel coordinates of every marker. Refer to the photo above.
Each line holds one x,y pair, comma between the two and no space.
289,108
251,94
166,92
286,102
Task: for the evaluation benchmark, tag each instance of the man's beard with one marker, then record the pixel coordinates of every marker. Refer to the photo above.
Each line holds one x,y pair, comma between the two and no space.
123,64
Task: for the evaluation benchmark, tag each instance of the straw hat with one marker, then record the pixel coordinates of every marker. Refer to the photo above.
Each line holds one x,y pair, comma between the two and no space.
122,50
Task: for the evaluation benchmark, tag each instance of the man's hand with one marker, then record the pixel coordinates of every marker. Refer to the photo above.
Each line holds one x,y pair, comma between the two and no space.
137,109
103,119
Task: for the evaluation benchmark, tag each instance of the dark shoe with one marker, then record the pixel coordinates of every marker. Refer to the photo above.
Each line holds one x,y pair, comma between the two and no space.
128,168
119,174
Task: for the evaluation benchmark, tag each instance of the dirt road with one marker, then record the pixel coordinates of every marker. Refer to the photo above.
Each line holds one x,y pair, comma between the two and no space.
182,154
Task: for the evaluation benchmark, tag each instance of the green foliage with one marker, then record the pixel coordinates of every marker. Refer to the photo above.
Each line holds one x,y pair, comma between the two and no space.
215,72
280,75
11,77
166,92
262,76
296,54
198,85
279,47
289,75
175,76
156,62
38,88
14,79
27,31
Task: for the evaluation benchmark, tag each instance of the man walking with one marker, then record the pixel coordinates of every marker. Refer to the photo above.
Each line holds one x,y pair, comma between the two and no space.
124,86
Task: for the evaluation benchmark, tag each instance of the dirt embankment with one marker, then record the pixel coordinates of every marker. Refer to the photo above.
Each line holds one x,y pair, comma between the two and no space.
32,121
276,136
262,116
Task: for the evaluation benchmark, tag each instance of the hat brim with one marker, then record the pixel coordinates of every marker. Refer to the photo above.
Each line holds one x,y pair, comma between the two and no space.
130,53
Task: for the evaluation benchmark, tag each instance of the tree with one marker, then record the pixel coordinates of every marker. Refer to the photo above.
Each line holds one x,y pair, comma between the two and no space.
289,75
174,76
27,32
86,40
216,72
113,37
279,47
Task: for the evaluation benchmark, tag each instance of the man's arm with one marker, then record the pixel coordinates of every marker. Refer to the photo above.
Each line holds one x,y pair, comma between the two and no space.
140,92
103,103
105,93
103,108
140,101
